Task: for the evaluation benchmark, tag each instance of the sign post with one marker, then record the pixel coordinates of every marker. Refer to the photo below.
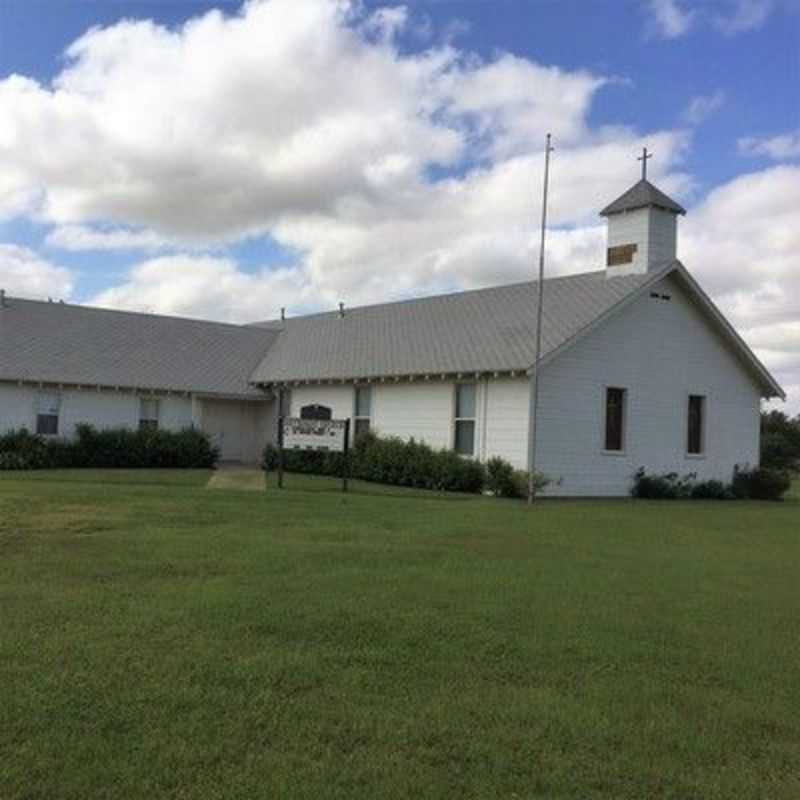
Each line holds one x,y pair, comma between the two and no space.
346,464
280,452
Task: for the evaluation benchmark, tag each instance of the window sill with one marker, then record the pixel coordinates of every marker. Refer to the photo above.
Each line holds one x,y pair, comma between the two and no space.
613,453
695,456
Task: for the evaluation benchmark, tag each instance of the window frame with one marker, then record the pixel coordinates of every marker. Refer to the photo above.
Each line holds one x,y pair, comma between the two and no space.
39,414
359,419
701,453
623,435
461,420
149,422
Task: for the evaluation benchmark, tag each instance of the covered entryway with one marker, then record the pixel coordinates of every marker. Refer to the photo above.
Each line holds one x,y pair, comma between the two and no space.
239,428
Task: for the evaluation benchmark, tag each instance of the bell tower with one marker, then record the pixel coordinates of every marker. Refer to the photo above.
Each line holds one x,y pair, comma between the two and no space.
642,228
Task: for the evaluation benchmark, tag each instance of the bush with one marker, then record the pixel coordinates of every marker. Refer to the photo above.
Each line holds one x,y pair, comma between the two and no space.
748,484
502,480
760,483
270,458
23,450
118,447
388,460
669,486
711,490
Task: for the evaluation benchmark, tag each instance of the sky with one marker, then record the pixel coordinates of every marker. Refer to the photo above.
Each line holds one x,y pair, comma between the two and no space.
224,160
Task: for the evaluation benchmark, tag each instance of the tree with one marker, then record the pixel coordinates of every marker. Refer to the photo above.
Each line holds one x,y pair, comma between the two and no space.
780,441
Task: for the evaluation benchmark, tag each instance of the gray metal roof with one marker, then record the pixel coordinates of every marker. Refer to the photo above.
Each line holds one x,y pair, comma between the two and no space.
485,330
63,343
642,195
475,331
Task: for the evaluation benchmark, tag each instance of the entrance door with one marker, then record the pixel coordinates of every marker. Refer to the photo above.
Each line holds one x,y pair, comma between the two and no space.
224,422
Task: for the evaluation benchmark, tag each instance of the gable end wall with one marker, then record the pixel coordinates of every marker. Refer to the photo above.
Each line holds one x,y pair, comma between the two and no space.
660,351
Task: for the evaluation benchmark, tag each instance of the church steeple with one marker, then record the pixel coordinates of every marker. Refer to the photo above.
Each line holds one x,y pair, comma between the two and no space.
642,228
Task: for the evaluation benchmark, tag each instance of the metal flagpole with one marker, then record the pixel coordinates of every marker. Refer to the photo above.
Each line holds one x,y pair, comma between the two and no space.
540,302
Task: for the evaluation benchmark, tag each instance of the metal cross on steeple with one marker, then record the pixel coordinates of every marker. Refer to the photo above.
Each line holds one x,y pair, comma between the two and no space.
643,158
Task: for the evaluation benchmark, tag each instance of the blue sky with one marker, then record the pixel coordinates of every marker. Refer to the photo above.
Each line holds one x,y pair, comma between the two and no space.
759,72
168,167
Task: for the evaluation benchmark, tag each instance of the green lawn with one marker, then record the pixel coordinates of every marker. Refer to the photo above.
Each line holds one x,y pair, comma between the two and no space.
160,640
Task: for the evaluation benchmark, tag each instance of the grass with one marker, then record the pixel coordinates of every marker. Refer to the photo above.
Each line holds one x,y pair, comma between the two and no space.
159,640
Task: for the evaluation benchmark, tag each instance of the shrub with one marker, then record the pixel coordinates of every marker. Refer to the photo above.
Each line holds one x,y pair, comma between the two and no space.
521,478
669,486
760,483
748,484
118,447
270,458
711,490
502,480
388,460
23,450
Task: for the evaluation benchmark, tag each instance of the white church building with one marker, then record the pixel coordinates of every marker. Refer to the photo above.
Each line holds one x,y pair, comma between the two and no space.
639,368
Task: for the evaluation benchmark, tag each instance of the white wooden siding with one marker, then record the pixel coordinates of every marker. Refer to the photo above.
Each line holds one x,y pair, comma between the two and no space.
652,230
661,352
422,410
101,409
507,420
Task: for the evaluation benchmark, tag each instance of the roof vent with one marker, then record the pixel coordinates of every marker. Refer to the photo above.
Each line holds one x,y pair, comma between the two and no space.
283,313
341,310
3,302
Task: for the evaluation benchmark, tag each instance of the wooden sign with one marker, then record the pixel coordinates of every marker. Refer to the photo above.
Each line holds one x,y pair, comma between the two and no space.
314,434
319,435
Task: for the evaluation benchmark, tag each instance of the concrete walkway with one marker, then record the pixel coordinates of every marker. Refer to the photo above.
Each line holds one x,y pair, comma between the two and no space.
248,479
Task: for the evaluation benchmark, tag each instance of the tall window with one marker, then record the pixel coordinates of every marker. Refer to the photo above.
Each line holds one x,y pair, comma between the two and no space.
696,424
363,409
465,419
615,419
48,407
148,413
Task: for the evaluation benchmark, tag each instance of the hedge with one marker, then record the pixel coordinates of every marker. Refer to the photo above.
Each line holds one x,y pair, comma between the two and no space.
111,448
391,460
747,484
760,484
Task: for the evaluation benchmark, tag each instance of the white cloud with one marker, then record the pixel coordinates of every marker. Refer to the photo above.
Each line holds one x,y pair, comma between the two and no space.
740,16
194,137
24,273
84,237
204,134
778,148
669,18
703,106
211,287
742,244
